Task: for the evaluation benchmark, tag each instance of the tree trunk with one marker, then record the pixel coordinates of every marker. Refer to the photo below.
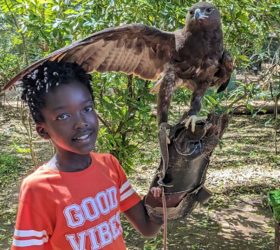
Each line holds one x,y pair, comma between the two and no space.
260,106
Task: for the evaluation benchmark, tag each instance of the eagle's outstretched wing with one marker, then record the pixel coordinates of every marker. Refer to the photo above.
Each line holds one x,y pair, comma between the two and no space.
134,49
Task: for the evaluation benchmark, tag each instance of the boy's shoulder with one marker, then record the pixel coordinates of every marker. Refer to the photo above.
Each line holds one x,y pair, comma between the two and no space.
39,175
104,158
107,162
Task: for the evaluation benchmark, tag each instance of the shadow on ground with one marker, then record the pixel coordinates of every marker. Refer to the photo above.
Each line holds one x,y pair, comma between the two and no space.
246,223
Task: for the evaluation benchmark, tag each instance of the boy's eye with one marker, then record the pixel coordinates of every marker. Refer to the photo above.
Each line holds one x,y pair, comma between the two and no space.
62,117
88,109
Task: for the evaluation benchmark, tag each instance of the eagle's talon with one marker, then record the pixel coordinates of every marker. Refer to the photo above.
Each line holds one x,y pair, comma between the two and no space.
192,120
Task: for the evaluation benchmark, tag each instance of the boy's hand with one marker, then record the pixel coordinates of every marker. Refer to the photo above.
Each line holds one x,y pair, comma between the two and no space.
156,191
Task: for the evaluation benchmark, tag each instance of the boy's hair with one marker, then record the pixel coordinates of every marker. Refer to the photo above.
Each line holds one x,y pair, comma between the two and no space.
45,78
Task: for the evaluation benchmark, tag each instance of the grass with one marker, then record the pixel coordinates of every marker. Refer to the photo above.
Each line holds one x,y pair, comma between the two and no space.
10,169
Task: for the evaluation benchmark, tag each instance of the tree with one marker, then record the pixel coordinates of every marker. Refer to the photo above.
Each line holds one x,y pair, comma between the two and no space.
30,29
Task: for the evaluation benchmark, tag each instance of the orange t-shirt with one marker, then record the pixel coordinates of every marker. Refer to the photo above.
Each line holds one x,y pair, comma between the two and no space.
74,210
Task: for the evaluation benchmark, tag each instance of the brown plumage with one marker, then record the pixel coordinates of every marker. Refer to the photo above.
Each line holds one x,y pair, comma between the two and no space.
193,57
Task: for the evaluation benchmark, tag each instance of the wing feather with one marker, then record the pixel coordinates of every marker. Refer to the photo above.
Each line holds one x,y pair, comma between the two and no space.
133,49
225,70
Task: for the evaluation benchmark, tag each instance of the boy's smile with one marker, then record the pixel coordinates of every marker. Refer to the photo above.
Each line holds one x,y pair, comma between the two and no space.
70,121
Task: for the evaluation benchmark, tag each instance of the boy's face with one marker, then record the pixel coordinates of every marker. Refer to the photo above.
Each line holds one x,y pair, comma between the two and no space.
70,120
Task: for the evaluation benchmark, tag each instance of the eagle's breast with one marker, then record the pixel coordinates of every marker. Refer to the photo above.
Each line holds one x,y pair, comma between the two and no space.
197,60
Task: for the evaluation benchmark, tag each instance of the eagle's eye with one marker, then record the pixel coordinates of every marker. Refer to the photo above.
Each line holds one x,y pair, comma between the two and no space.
209,10
191,12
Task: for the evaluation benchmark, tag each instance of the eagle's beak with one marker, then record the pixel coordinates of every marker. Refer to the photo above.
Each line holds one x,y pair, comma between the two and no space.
198,14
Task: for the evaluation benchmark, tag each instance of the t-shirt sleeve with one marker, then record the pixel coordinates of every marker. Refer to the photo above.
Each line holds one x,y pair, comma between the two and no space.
128,196
33,227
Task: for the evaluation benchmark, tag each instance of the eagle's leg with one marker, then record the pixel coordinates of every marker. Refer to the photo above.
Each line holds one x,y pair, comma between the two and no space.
190,117
164,96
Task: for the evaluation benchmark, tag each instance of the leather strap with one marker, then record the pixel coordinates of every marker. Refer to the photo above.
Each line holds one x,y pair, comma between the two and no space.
163,144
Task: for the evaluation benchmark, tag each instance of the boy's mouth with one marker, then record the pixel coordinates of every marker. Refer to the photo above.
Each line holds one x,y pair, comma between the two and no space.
82,137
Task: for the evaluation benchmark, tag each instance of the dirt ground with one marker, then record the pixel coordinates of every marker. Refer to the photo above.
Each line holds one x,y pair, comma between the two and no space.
240,175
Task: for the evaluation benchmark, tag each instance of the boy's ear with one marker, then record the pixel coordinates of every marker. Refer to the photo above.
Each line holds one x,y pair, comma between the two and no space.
42,132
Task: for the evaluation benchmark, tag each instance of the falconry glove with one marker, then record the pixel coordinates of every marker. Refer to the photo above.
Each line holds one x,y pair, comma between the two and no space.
187,163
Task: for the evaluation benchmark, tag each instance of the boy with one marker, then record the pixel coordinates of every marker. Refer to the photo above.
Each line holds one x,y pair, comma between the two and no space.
74,200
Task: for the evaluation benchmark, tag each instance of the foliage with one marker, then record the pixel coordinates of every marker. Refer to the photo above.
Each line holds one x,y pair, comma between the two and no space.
123,106
9,169
274,202
31,29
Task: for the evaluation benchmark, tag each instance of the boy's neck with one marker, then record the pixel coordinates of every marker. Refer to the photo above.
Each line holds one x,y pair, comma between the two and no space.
72,162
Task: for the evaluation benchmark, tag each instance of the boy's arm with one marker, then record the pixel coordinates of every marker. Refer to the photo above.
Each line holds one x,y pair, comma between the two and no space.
139,218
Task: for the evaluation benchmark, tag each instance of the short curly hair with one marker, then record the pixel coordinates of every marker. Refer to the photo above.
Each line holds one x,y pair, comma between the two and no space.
47,77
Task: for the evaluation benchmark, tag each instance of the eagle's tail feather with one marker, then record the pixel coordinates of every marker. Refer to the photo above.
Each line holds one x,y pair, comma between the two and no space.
223,86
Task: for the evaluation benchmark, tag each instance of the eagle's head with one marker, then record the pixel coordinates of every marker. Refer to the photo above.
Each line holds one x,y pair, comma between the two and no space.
201,15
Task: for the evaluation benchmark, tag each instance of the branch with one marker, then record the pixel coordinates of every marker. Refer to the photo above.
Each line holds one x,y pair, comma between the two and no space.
105,123
24,47
130,108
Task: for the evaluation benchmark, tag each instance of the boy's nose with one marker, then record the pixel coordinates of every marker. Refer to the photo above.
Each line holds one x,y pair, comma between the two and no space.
81,125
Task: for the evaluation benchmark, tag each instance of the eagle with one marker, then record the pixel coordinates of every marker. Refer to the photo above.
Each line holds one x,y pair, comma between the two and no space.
192,57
